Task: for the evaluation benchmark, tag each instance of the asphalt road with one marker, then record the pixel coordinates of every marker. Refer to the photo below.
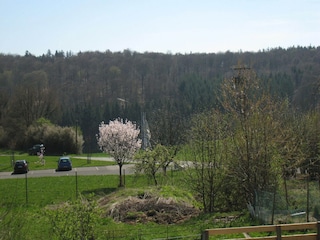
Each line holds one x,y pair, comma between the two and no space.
84,171
101,170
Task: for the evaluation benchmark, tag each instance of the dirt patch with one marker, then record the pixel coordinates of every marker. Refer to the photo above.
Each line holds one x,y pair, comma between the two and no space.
151,209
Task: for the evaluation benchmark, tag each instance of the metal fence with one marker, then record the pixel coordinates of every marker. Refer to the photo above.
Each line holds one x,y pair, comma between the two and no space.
299,202
28,191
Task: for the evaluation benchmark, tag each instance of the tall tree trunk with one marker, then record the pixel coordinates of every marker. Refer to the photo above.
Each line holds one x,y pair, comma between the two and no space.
120,175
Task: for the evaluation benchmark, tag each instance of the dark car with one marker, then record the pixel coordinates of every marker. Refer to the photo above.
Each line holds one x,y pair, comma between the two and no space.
36,149
64,163
21,166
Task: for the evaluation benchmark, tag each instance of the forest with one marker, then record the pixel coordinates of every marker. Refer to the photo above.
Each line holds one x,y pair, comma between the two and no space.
81,90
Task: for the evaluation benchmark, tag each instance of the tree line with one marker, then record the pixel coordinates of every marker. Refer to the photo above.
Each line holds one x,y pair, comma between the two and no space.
83,89
249,120
254,142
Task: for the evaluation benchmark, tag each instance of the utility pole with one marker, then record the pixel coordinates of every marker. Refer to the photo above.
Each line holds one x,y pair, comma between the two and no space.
240,85
76,136
145,131
239,78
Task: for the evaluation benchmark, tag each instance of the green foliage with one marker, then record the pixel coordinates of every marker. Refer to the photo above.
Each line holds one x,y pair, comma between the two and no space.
198,91
74,220
60,87
59,192
151,160
207,146
255,144
58,140
180,193
311,143
12,227
42,121
253,126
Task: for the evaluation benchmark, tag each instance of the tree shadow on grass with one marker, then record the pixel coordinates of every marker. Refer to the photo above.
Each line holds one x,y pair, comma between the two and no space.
99,191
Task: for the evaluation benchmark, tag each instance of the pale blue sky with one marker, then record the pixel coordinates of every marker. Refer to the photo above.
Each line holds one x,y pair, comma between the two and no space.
176,26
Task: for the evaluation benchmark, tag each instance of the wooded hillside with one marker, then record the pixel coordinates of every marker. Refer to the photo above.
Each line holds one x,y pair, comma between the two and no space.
86,88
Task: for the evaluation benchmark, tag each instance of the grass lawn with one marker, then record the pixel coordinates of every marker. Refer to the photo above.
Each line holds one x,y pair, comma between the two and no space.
23,203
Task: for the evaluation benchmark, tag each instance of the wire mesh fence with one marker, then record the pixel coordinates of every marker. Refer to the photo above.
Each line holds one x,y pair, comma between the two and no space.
297,201
44,192
22,189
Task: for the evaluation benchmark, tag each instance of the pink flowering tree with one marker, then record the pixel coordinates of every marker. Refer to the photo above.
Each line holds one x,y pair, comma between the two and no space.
120,139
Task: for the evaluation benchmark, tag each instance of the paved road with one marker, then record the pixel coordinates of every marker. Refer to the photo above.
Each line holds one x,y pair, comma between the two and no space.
101,170
108,159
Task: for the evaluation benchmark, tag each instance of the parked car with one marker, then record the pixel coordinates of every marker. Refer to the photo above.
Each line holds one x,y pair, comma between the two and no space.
21,166
36,149
64,163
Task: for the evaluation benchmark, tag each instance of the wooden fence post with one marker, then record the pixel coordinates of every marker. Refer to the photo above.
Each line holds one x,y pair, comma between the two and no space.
278,230
318,230
205,235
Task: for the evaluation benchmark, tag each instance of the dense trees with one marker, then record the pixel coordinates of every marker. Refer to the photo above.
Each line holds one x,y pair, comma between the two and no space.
83,88
255,142
33,98
248,127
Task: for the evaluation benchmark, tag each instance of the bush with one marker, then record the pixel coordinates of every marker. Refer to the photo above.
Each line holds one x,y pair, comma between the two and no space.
75,220
58,140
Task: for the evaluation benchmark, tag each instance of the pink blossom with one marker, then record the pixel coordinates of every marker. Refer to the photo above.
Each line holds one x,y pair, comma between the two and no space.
119,139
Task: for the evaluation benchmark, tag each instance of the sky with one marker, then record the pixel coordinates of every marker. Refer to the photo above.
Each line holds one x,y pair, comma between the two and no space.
166,26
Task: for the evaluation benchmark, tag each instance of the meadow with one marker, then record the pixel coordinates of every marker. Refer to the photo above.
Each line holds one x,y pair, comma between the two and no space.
24,202
25,206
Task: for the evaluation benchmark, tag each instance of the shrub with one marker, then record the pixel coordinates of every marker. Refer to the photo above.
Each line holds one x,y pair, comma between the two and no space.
58,140
75,220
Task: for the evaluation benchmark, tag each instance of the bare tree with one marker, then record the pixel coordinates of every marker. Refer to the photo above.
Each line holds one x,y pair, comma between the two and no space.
33,98
252,129
207,157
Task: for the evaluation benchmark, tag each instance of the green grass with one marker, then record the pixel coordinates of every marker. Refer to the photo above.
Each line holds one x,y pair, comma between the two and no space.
6,161
29,197
40,192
